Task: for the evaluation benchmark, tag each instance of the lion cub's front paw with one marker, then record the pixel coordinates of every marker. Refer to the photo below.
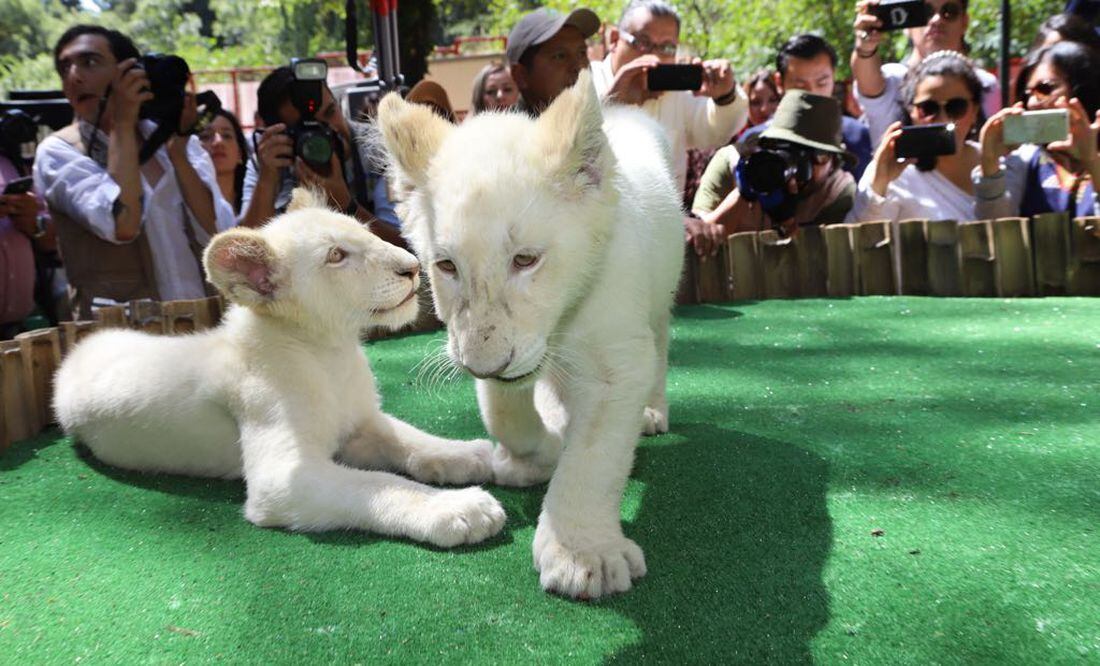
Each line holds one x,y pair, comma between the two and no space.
454,517
586,570
654,420
456,463
520,472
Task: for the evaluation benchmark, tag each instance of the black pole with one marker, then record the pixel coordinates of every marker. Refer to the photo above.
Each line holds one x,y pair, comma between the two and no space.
1006,51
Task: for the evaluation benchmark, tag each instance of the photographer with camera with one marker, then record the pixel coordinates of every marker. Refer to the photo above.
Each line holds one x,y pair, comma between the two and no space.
931,26
307,140
808,62
794,175
1052,132
704,112
128,229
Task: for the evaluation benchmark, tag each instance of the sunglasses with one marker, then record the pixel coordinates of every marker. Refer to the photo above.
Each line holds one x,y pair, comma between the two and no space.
642,44
1043,89
949,12
954,108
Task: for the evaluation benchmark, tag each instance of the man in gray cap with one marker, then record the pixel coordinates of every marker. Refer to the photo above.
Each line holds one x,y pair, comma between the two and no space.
546,52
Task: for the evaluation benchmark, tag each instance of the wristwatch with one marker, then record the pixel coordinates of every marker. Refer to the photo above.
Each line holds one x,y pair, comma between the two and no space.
40,223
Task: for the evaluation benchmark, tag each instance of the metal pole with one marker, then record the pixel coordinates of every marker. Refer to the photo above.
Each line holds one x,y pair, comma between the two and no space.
1006,52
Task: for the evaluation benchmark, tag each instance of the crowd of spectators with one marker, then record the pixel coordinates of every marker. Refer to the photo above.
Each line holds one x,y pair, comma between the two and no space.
102,225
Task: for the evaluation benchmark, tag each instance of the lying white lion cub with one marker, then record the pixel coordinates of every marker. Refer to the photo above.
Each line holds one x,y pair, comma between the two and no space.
555,248
282,388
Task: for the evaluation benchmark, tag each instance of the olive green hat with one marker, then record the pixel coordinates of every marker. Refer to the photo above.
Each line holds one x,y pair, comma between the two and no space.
809,120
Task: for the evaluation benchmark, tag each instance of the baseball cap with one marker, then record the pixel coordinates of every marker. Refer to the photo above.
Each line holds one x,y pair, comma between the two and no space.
541,25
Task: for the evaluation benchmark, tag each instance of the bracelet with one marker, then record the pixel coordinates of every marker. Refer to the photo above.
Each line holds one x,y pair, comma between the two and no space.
728,98
872,54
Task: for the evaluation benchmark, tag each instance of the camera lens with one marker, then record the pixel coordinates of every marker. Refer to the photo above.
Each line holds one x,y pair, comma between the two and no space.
315,148
767,171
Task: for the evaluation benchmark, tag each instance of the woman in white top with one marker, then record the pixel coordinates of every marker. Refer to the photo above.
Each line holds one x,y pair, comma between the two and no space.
942,89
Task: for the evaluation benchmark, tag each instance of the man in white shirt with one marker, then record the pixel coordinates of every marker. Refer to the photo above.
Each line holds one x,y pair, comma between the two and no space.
649,34
126,229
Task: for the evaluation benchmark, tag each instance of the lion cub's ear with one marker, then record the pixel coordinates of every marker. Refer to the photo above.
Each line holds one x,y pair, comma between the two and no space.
242,264
307,197
412,133
570,135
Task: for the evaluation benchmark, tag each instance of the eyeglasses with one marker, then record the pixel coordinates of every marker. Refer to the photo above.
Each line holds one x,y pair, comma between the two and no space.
954,108
1043,90
949,12
641,43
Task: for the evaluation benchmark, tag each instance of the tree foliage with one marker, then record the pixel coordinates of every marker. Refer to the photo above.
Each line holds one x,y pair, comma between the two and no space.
225,33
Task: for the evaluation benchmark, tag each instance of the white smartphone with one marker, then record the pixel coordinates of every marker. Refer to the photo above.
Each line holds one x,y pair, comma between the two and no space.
1038,127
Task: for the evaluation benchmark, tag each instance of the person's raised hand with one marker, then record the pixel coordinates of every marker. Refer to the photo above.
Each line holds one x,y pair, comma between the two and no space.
885,162
993,139
274,151
630,84
718,79
129,90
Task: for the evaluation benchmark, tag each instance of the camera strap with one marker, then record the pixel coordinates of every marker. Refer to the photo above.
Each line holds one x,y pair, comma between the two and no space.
359,178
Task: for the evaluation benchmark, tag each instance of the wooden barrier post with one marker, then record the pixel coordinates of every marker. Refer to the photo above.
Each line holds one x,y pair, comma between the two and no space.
1083,276
1013,270
17,410
813,262
842,260
944,260
913,239
111,316
147,315
976,245
213,307
876,266
712,277
779,262
183,317
73,332
1050,245
41,351
685,295
745,269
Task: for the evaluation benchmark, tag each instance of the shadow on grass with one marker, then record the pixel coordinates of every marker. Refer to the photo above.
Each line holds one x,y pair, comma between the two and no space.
736,535
219,491
23,452
709,312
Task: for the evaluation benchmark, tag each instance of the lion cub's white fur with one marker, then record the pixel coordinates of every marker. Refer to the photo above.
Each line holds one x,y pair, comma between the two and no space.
555,248
281,391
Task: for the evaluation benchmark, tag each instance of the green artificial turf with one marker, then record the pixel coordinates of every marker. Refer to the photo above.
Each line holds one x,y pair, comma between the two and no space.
869,481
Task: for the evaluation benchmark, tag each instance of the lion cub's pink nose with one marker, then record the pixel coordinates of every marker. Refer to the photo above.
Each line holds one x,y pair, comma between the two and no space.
409,269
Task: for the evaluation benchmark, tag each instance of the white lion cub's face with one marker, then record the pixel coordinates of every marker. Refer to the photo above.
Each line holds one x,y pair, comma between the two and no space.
316,267
510,215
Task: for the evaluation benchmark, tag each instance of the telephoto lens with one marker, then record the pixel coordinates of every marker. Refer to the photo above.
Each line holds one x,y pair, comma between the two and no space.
769,168
314,144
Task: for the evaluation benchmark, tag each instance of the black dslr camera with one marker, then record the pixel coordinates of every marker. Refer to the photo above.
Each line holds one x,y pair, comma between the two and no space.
314,141
168,77
774,163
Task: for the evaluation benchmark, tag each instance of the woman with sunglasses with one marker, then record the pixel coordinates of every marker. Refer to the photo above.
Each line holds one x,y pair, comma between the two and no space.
1057,177
942,89
878,86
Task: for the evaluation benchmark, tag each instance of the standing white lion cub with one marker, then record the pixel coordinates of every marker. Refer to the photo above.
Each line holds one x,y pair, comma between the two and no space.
555,247
281,392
